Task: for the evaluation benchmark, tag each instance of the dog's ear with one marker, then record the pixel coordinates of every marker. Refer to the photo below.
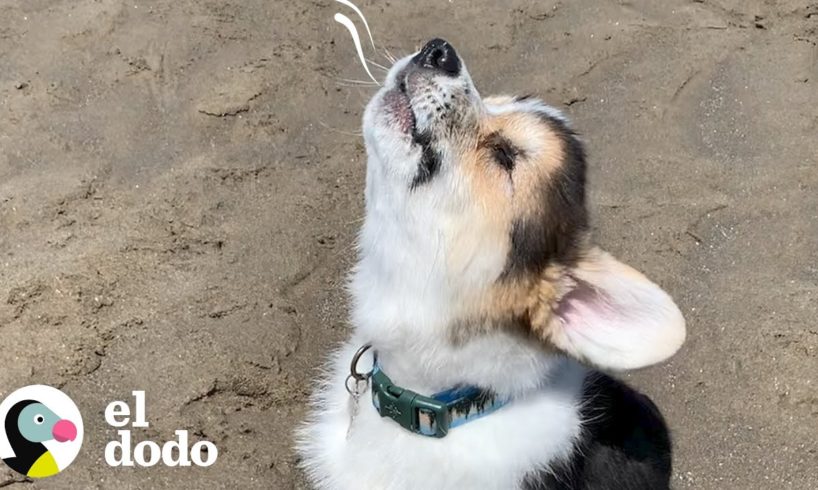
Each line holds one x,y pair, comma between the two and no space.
613,316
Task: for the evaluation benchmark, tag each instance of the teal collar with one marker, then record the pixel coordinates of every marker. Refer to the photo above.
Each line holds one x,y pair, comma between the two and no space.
434,415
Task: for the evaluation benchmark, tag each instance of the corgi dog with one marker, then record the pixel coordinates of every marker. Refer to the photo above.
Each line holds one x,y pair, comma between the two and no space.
485,311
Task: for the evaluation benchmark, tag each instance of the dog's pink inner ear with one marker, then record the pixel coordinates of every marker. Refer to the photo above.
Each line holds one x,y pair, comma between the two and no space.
583,302
615,318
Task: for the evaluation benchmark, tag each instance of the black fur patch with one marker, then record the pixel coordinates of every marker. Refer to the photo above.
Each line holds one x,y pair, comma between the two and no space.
429,164
624,445
553,235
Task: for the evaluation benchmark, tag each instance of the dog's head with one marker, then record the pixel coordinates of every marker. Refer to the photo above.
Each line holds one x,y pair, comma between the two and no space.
486,196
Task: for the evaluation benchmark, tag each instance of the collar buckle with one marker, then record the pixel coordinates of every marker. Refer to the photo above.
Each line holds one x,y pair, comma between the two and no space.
414,412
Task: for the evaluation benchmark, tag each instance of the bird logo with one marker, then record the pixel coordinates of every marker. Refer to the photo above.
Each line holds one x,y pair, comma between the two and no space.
42,429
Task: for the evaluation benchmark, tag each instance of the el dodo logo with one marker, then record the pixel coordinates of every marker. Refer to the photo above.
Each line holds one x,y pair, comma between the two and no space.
176,452
41,431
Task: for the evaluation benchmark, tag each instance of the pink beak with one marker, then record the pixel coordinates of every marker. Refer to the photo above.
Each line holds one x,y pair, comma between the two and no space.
64,430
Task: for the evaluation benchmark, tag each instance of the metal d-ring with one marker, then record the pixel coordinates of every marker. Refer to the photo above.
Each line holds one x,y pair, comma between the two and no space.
353,371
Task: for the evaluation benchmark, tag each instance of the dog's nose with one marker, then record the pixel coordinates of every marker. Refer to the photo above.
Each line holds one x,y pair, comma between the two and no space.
438,55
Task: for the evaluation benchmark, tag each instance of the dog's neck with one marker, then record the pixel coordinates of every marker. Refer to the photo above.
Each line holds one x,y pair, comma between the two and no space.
406,307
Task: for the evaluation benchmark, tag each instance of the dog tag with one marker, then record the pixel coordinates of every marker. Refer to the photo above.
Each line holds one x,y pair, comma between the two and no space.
355,388
356,384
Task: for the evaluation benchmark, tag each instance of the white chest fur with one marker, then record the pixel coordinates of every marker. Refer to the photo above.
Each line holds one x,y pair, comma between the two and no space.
494,452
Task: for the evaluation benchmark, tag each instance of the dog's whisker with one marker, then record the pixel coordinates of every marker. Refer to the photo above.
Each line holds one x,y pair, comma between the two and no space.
340,131
377,65
355,85
352,85
357,82
389,56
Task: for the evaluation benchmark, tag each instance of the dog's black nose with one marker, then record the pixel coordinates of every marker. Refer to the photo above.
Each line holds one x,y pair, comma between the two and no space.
438,55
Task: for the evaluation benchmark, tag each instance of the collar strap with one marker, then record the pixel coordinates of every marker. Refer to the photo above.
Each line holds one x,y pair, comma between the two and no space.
434,415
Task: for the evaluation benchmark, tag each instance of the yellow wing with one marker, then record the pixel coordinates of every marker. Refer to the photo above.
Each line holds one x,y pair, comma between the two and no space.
45,466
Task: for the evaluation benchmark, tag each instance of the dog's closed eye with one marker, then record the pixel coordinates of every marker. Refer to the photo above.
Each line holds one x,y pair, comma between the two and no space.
503,151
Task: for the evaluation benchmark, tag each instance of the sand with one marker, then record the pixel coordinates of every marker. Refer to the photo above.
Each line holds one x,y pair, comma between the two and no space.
181,184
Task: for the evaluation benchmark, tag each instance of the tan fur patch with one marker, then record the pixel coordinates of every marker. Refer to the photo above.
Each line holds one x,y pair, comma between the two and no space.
526,304
541,154
503,197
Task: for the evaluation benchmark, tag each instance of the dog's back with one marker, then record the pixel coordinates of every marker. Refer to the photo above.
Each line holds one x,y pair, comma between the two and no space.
625,444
